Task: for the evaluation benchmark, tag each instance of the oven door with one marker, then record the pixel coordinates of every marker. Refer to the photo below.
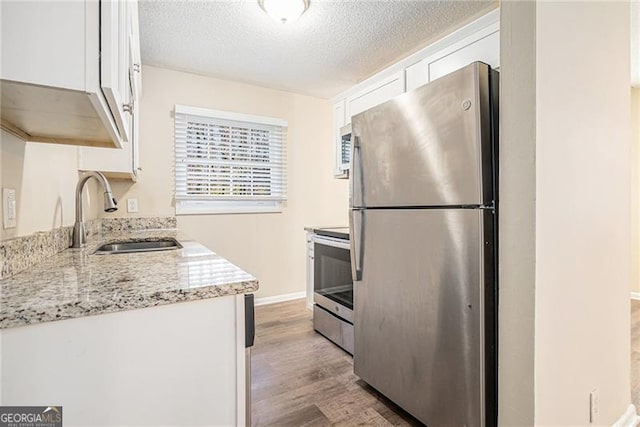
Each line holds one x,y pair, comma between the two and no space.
332,282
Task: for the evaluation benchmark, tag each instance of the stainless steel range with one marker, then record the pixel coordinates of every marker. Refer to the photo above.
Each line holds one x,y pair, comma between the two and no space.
333,286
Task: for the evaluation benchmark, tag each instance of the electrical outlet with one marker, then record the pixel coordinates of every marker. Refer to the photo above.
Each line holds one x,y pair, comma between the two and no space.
594,403
132,205
9,208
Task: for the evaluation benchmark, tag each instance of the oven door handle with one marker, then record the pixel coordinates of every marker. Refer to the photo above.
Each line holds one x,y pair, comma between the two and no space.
356,229
340,244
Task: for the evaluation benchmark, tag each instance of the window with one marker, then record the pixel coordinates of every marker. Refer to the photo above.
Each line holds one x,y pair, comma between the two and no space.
228,162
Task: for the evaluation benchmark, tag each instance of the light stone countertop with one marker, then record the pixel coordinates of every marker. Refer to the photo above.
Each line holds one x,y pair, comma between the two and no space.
77,283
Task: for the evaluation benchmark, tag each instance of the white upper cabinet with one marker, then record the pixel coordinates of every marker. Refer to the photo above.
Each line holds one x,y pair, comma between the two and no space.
40,43
114,77
478,41
122,95
479,47
487,50
55,84
381,91
417,74
134,50
375,94
114,163
120,163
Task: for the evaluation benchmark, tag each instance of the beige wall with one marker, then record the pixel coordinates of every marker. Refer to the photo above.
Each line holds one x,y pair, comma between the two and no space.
270,246
566,154
517,214
635,189
583,235
44,177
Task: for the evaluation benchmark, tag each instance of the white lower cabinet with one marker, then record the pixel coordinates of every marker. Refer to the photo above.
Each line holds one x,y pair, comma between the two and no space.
172,365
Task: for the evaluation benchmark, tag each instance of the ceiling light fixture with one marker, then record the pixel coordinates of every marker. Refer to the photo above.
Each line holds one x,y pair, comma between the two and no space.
284,10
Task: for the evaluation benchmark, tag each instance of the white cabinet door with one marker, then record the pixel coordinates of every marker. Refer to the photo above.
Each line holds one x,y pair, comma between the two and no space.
135,61
134,361
115,51
122,163
114,163
50,79
43,43
417,74
339,119
382,91
487,50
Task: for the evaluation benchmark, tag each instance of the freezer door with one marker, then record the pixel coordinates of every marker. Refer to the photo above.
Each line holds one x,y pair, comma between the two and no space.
428,147
420,311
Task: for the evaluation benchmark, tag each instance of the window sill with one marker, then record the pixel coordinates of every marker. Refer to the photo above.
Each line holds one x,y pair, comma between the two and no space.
225,210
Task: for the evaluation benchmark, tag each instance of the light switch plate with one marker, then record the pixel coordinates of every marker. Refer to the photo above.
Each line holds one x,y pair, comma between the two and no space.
132,205
594,405
9,208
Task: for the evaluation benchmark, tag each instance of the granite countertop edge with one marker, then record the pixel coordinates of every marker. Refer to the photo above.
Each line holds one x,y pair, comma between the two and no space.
80,310
111,300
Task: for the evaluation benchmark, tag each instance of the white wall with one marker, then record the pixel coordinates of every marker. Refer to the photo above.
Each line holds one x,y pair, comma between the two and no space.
44,177
270,246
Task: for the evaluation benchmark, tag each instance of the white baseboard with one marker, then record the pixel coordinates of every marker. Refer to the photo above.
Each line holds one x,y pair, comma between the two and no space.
628,419
635,295
280,298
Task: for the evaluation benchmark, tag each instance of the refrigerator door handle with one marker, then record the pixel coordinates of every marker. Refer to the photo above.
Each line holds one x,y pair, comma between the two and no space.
356,225
355,173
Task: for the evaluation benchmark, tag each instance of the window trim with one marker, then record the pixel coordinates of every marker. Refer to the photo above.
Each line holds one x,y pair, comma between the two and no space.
195,207
230,115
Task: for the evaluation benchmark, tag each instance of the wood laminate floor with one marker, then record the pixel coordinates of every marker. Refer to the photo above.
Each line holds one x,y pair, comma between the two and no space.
635,353
299,378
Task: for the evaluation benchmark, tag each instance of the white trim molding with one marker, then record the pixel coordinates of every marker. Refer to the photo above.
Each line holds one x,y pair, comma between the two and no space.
280,298
628,419
635,295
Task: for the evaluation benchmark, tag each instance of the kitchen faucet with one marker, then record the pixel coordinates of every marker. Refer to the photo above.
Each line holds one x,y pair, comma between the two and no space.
110,205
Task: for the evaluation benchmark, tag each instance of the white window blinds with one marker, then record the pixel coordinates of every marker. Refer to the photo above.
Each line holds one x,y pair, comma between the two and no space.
228,162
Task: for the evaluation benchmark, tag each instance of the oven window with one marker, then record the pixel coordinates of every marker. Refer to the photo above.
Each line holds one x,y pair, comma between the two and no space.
332,274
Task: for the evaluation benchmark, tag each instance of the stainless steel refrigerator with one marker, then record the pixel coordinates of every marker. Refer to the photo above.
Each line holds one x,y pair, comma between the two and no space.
423,226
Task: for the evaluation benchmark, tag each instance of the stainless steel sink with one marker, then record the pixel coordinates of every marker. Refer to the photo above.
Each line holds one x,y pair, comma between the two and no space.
140,246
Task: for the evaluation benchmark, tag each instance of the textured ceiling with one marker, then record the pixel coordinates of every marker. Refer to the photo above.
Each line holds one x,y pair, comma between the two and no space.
334,45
